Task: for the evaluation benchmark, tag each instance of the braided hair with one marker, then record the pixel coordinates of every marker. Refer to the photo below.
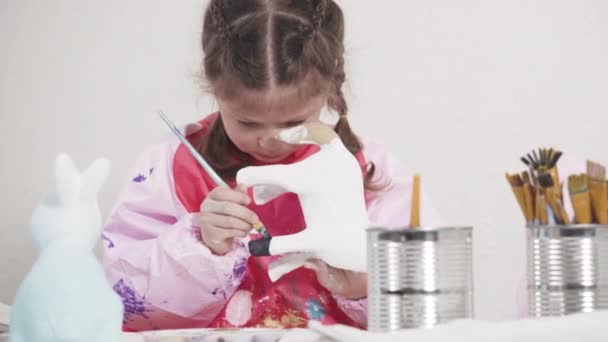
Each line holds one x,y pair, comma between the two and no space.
265,44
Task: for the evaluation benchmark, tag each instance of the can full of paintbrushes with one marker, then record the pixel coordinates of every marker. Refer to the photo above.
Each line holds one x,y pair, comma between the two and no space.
567,267
418,278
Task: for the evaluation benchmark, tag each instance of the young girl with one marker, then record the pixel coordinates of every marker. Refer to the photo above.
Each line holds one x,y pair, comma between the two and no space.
175,244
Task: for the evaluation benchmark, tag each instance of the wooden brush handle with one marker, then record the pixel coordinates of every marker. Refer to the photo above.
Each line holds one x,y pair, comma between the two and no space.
599,200
519,193
415,208
541,207
556,184
556,205
581,202
529,203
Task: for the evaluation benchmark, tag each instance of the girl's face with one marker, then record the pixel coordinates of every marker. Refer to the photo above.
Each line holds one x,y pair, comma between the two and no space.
251,121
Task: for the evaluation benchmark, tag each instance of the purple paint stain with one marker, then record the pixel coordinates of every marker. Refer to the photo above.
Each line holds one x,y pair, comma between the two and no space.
218,290
140,178
132,304
110,242
239,269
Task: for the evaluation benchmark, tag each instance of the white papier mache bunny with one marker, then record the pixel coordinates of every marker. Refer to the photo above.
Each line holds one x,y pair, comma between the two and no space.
330,188
66,296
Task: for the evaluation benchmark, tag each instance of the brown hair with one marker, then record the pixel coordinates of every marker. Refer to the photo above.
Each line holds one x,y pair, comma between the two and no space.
265,44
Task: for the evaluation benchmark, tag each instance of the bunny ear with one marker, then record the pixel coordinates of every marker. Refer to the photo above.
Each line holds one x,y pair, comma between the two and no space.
67,179
94,177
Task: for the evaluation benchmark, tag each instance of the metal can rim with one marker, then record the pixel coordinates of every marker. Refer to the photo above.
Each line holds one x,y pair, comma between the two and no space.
421,229
567,226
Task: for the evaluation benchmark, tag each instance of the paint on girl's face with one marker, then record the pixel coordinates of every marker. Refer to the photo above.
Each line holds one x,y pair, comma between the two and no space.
252,127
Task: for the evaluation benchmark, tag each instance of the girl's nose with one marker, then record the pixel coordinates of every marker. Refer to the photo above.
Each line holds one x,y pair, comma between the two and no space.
269,139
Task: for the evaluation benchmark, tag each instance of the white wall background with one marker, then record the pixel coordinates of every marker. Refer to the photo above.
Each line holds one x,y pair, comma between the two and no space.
457,89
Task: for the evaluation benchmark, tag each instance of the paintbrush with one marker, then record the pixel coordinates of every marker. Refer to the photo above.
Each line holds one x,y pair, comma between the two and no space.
580,197
531,164
415,205
551,158
517,186
259,227
545,161
540,204
529,191
546,181
596,171
599,191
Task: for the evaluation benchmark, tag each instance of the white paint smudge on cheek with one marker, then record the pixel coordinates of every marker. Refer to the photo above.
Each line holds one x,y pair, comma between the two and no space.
329,117
293,135
238,311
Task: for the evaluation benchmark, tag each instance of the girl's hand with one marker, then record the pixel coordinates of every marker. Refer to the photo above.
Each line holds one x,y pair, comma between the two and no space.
224,217
348,284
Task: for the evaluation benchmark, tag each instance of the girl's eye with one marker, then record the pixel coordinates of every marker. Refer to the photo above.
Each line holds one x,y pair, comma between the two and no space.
248,124
294,123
